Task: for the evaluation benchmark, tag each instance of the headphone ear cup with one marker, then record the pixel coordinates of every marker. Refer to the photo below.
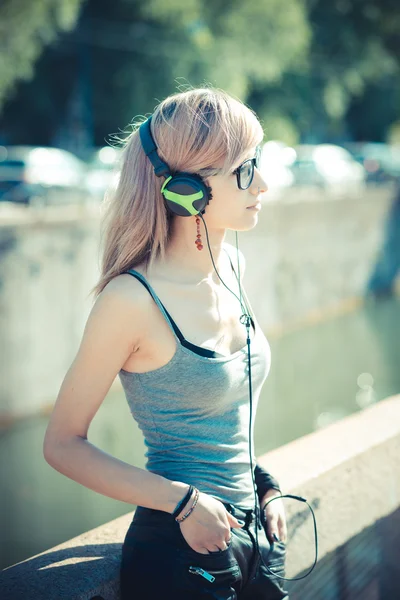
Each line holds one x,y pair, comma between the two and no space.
186,194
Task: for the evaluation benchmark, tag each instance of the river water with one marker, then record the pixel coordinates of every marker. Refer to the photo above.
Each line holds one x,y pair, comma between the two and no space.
319,374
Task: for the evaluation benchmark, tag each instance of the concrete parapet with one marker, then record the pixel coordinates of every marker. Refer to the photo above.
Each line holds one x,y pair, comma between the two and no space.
349,472
309,258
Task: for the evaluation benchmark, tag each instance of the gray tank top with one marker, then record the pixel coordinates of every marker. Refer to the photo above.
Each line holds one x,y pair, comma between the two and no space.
194,412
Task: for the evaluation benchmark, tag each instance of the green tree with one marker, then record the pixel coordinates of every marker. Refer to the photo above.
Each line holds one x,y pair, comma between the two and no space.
349,85
142,50
236,43
26,27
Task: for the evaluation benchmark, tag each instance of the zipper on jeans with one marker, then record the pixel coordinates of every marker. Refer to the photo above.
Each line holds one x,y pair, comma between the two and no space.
202,572
199,571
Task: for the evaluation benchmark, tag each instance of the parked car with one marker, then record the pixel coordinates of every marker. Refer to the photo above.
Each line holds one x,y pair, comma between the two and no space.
274,161
380,161
103,173
327,166
39,175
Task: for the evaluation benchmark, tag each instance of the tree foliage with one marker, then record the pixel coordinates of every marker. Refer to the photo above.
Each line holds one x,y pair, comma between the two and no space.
309,68
26,27
142,50
354,56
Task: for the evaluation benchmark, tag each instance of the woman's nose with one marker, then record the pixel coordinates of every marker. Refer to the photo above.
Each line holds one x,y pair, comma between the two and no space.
260,181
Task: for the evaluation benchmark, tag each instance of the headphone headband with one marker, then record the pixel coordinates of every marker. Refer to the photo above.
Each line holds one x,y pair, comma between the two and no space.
150,149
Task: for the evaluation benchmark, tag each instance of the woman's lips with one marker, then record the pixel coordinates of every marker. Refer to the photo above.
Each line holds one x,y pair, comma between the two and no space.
255,206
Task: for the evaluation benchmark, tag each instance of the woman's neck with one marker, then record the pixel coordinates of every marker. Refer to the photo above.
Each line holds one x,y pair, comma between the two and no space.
183,261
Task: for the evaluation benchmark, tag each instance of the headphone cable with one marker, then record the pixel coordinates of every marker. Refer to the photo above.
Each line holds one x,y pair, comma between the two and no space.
246,320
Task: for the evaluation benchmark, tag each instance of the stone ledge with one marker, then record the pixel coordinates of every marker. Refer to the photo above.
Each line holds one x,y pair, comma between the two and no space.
348,471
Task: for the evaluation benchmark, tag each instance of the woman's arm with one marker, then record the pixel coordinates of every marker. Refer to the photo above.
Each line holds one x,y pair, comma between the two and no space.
114,329
97,470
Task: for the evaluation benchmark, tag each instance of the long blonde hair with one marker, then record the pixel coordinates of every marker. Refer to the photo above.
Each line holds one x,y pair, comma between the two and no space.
194,131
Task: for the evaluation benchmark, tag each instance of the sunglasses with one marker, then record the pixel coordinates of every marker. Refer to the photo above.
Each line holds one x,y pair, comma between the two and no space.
245,172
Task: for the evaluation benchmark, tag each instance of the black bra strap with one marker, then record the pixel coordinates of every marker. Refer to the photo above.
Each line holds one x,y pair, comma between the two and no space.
197,349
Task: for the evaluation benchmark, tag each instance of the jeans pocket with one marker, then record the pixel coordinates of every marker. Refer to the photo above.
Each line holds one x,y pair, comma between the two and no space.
189,549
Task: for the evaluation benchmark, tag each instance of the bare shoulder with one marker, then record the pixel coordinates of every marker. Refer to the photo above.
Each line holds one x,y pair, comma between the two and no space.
126,289
126,302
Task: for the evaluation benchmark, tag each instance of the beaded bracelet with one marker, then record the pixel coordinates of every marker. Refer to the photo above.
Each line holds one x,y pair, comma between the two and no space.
196,497
183,502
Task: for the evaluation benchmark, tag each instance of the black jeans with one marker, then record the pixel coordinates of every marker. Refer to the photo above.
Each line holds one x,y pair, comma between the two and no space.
157,562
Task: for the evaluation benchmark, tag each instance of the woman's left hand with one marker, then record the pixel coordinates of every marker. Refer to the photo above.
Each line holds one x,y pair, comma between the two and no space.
275,517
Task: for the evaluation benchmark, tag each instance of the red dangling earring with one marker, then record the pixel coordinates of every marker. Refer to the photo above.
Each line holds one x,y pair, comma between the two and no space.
198,237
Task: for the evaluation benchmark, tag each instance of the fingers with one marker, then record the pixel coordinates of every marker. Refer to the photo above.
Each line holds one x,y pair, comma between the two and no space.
218,547
233,521
282,529
272,530
277,535
225,544
283,534
276,530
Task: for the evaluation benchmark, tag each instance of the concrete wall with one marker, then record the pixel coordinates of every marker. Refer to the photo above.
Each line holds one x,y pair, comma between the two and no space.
309,256
312,254
49,261
348,472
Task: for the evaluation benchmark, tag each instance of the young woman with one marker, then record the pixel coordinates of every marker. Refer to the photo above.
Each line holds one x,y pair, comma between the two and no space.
168,326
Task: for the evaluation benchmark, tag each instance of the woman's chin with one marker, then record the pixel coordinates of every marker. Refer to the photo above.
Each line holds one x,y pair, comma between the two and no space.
247,226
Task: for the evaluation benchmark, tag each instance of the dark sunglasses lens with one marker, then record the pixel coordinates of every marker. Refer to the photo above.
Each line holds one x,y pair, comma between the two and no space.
246,174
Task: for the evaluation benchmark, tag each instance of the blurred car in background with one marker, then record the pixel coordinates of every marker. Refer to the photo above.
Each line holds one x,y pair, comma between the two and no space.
380,161
41,176
327,166
274,161
103,170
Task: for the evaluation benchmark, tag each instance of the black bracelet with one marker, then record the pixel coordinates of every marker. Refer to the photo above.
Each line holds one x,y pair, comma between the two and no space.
182,502
264,481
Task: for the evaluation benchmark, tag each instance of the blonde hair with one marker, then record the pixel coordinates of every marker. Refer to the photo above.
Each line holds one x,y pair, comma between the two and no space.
194,131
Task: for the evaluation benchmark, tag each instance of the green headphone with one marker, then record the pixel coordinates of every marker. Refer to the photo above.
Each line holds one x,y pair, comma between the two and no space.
185,194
